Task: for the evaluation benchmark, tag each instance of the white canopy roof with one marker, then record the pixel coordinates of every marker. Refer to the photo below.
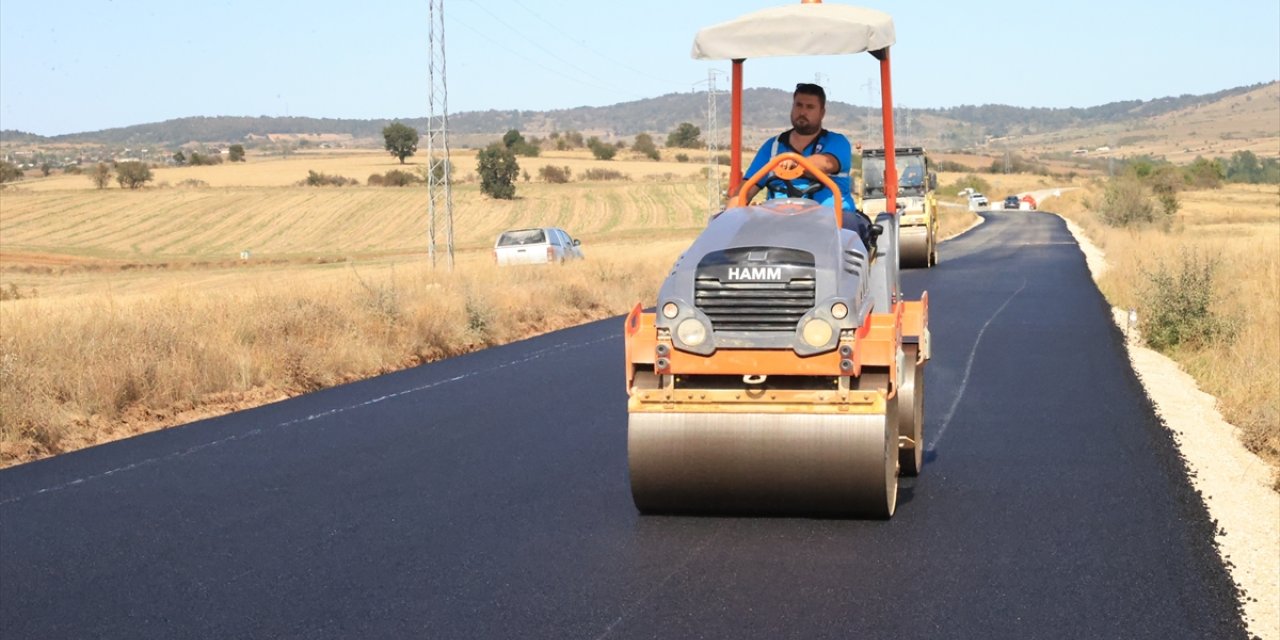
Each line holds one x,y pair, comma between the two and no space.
796,30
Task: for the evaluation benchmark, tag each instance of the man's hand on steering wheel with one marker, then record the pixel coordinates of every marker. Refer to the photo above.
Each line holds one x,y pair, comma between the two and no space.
783,177
776,184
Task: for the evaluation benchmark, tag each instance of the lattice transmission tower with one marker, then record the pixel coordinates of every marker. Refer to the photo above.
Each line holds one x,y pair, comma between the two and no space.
714,199
439,195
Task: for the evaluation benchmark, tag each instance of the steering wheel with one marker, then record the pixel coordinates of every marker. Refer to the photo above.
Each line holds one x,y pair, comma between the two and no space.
782,180
776,184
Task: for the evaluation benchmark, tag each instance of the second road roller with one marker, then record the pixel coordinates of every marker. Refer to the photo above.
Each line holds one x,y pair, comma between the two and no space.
782,369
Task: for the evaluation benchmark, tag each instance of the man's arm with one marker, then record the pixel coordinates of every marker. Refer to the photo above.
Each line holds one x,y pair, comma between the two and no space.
757,163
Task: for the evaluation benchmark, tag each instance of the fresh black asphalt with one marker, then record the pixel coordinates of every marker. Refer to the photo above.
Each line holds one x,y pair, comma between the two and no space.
486,496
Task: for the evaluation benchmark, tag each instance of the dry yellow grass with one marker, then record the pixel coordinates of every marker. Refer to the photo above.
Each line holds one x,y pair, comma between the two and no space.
1237,228
75,373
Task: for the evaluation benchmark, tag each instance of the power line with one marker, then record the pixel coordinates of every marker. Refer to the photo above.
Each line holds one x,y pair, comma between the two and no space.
599,81
606,58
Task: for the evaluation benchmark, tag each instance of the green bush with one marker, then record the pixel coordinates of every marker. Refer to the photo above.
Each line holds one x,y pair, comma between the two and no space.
315,179
682,157
498,169
9,171
644,145
1125,203
604,174
398,178
601,150
554,174
1176,305
132,174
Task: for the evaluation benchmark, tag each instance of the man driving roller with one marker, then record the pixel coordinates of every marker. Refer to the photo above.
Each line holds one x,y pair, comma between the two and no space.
830,151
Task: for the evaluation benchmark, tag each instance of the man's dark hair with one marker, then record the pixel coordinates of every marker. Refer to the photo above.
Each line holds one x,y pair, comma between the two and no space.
810,89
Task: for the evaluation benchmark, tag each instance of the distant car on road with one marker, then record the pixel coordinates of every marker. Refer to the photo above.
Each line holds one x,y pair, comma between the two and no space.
1012,202
977,201
542,245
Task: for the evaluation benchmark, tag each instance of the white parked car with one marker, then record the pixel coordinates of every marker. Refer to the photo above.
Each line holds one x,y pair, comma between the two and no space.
543,245
977,201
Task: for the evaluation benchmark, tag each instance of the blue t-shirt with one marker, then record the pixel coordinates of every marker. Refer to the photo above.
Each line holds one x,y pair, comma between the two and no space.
833,144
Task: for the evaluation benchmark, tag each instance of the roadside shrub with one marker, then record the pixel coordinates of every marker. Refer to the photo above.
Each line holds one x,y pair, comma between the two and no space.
1125,203
375,180
316,179
1176,305
604,174
554,174
682,157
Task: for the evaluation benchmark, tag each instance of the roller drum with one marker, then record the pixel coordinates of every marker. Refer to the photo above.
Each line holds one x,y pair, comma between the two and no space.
913,247
801,464
911,414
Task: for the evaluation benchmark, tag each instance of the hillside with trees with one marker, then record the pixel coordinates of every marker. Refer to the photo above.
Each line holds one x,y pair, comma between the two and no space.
765,110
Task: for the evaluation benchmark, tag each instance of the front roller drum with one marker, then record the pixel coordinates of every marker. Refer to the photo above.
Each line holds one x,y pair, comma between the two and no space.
914,247
740,463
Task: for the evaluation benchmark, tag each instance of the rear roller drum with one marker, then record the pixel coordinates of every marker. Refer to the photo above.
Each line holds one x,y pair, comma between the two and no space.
911,413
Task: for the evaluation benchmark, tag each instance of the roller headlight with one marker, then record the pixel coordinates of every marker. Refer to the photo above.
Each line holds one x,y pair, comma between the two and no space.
670,310
839,310
817,332
691,332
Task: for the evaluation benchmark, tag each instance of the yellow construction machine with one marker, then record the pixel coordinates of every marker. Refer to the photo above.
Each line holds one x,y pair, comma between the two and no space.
917,205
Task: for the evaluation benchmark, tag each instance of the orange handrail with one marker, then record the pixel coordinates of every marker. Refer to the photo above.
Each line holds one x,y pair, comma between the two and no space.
741,199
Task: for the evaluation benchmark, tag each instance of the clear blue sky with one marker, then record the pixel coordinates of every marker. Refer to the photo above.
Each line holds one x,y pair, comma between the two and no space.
71,66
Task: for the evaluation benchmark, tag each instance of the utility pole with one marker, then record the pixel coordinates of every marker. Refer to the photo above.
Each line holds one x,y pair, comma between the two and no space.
439,195
713,167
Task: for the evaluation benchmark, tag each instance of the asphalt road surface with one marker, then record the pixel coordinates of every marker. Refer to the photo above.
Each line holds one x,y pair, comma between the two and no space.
486,496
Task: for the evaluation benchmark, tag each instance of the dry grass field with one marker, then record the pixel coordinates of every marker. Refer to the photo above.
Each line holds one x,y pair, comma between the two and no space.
1236,232
130,310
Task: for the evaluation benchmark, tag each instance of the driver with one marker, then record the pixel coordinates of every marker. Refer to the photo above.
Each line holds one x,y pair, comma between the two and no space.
830,151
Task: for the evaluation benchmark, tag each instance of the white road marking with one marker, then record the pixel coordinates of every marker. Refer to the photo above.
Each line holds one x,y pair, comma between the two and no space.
323,414
968,367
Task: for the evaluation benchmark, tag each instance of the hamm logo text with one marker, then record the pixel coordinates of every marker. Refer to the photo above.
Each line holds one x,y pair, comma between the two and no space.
755,273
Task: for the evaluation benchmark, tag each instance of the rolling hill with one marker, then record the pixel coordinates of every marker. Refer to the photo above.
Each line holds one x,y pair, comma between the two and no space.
1245,117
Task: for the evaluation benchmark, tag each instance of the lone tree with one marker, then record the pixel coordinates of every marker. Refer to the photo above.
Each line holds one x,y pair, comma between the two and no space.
498,169
9,171
401,140
179,158
644,144
601,150
101,175
132,174
235,153
685,136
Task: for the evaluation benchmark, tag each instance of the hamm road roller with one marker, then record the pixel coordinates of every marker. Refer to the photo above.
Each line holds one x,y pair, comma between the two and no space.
781,371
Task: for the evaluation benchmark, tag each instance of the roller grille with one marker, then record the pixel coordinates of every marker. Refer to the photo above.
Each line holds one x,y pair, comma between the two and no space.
754,306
